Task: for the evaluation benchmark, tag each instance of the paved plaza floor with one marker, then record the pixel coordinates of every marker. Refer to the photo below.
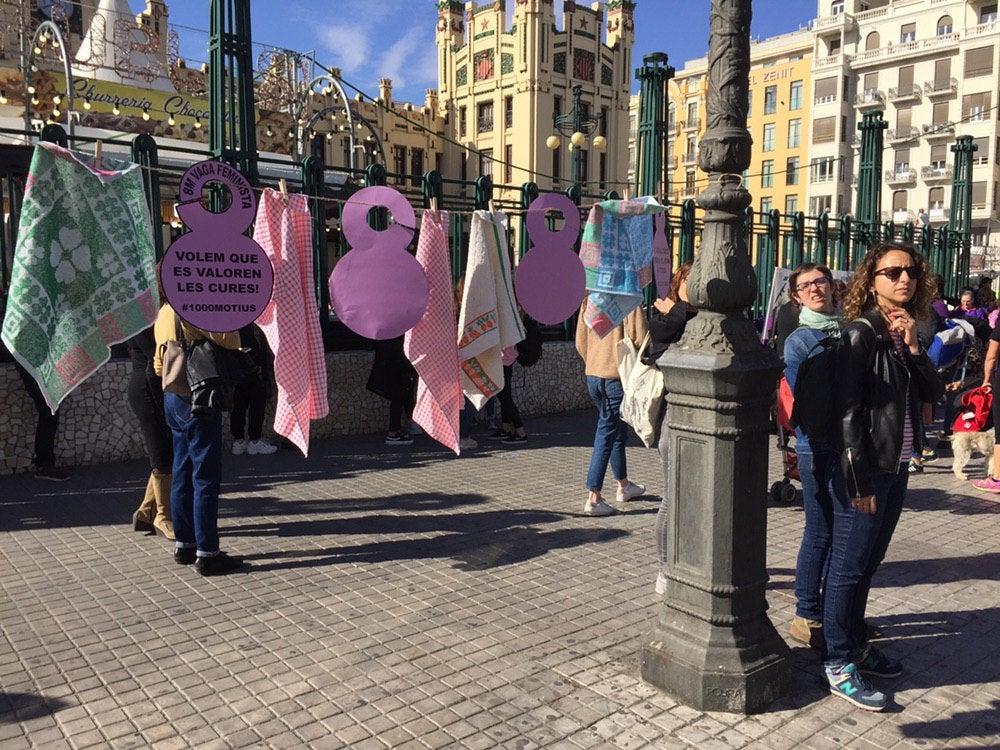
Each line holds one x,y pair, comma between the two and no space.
405,598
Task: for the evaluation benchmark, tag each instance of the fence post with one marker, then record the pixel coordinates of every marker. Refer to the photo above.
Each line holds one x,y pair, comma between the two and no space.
798,240
686,250
844,235
144,154
822,239
483,192
312,186
908,231
431,186
529,193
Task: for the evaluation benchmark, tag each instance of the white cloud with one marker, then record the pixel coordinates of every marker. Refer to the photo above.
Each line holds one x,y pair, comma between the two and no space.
348,46
411,59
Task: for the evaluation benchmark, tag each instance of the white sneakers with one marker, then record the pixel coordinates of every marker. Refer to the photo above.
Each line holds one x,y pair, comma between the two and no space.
598,508
629,492
467,443
253,447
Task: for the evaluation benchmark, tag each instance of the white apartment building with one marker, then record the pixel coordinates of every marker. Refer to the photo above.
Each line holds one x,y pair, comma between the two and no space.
931,66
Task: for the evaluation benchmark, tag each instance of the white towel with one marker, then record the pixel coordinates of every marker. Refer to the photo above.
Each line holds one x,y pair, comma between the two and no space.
488,321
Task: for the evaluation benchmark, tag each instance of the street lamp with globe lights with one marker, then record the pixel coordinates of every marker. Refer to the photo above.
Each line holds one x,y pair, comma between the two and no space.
577,125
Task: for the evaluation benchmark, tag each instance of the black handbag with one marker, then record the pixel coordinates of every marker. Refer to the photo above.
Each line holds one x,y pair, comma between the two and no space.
213,374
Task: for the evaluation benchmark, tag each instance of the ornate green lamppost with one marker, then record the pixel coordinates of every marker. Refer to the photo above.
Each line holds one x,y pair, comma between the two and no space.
577,125
713,646
651,173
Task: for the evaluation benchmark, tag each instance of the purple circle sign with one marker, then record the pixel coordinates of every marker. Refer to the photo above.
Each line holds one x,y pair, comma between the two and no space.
215,277
550,280
378,289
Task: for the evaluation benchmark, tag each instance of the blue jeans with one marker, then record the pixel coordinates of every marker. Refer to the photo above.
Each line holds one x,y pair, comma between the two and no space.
611,434
194,496
859,544
822,479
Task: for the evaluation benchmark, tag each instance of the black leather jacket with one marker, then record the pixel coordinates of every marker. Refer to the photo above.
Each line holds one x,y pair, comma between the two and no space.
875,390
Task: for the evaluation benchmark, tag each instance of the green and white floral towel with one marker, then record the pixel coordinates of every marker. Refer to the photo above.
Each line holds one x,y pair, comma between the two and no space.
84,274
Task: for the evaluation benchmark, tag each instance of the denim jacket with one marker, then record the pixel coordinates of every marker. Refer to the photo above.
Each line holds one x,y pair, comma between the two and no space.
800,345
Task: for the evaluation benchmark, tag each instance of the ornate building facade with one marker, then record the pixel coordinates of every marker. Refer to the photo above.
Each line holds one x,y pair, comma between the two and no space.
499,88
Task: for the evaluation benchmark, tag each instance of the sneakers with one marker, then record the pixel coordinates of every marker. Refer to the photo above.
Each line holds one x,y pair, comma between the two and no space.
928,455
809,632
599,508
915,467
989,484
877,664
218,565
239,447
185,555
261,448
497,434
415,429
513,437
466,444
629,492
51,474
401,439
849,684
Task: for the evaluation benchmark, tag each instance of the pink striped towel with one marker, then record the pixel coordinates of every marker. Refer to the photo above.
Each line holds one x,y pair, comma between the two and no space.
431,345
290,320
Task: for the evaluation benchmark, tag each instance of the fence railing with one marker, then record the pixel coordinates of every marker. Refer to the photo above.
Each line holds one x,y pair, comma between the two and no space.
773,239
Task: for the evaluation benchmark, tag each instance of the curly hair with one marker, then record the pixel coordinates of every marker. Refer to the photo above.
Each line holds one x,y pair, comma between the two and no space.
682,272
802,268
859,297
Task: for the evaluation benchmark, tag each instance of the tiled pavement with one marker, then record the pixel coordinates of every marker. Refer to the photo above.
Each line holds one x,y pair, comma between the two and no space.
407,599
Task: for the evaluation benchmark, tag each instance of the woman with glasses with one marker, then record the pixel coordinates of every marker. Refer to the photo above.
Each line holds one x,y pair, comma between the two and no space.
882,375
811,290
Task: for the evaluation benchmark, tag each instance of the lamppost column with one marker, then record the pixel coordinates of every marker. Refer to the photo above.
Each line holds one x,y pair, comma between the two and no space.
713,645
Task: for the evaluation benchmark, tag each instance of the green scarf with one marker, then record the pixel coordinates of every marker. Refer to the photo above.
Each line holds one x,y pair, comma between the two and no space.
828,323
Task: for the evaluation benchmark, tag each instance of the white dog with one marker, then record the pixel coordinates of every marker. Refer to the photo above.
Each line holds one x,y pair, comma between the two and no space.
964,444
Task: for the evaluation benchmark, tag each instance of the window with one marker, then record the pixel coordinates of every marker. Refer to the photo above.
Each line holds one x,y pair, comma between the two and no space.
820,204
791,204
508,167
399,159
899,200
557,105
822,169
979,62
792,171
942,74
556,166
935,198
902,162
692,114
794,133
982,153
826,90
873,41
768,144
486,162
689,182
944,25
905,81
836,7
766,204
691,154
770,100
462,122
988,14
602,170
939,155
508,111
978,195
605,116
416,165
795,95
834,46
582,165
484,117
939,113
767,173
907,33
824,130
975,106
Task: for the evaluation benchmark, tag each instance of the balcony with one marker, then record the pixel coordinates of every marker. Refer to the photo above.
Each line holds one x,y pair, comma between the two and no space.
899,216
688,159
897,135
692,124
935,89
825,99
869,98
901,176
839,22
939,214
937,131
830,61
984,29
816,179
900,94
485,124
936,174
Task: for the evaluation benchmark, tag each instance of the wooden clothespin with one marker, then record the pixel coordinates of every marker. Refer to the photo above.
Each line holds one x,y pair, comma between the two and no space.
283,187
492,206
434,203
627,193
98,145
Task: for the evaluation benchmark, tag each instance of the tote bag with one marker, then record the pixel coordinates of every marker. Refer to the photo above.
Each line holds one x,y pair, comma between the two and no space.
644,389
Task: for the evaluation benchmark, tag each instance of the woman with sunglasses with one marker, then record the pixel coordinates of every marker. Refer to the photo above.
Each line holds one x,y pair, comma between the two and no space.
811,290
882,374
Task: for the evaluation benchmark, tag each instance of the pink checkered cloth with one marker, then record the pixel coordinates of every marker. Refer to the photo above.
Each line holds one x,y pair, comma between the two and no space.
431,345
290,320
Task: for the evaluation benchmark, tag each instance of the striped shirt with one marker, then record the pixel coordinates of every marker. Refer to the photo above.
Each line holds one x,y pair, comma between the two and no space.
908,434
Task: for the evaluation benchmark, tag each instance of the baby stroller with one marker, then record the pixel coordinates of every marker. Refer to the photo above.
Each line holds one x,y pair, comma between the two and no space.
783,490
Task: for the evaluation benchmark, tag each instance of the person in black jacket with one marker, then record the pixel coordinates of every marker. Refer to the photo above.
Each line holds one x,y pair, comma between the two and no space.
667,322
882,374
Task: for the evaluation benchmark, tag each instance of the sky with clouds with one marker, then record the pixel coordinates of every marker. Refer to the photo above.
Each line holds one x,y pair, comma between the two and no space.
372,39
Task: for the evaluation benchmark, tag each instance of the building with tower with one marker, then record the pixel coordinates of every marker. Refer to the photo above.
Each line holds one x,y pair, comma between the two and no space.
499,88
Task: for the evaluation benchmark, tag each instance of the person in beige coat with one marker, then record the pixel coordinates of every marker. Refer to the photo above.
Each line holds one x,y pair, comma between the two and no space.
600,358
